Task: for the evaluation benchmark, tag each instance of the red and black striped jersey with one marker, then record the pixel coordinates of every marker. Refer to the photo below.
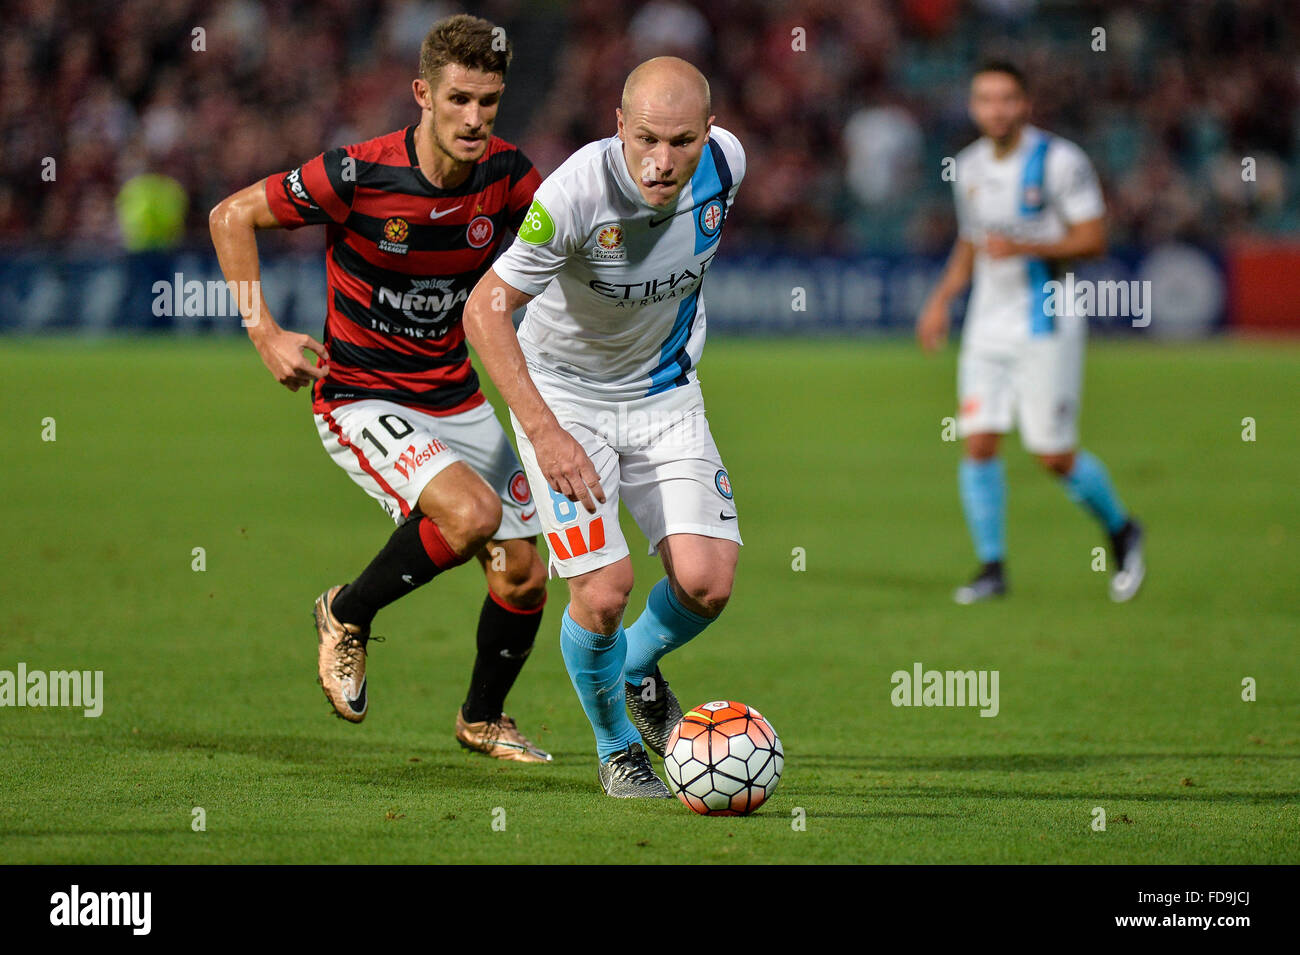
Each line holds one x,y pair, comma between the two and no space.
401,258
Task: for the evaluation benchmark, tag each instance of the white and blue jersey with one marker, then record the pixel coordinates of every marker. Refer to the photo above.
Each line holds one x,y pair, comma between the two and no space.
618,314
1032,194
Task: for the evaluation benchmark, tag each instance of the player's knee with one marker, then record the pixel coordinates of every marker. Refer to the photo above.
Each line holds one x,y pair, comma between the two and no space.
523,584
706,592
1058,464
606,609
608,604
981,447
604,595
485,521
471,521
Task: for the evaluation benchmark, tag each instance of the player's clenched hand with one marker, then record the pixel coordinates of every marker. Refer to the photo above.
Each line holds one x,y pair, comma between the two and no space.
566,467
998,246
932,326
282,353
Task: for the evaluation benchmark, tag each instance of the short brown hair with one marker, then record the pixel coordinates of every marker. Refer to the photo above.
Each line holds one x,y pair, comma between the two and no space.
471,42
1003,66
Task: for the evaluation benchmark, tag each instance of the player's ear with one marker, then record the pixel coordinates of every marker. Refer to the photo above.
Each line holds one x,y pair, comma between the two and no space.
423,95
708,127
618,111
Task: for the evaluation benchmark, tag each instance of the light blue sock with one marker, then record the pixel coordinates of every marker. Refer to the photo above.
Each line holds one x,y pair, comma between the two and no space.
663,626
595,665
1088,484
984,499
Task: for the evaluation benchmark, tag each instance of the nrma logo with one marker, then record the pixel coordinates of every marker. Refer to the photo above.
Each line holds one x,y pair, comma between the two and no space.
428,300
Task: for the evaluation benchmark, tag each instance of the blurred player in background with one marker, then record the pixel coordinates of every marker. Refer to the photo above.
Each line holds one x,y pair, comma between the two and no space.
1027,203
413,219
603,394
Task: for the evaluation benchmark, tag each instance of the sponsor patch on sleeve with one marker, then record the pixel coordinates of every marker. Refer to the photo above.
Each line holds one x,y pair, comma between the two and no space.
538,227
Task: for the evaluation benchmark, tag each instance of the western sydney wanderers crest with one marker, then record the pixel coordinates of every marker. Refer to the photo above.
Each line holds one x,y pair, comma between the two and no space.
519,488
479,232
396,229
609,243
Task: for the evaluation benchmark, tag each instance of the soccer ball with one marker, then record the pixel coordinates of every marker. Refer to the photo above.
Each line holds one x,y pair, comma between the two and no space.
723,759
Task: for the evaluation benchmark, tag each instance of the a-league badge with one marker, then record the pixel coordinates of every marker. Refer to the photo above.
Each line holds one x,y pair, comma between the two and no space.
609,243
396,230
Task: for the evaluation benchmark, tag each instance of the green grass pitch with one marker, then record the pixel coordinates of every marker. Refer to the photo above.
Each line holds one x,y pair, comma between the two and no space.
835,447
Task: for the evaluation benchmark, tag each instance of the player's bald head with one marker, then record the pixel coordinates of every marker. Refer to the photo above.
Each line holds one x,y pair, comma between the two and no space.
667,82
664,123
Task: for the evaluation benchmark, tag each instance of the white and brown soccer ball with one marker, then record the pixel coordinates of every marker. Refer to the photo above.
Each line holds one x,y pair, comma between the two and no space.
723,759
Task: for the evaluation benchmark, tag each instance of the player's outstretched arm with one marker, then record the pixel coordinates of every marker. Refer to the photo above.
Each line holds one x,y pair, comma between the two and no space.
233,223
932,324
488,327
1082,240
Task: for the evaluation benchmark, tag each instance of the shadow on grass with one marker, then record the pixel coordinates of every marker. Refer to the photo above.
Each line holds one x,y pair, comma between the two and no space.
313,749
1035,763
371,762
1011,762
1092,796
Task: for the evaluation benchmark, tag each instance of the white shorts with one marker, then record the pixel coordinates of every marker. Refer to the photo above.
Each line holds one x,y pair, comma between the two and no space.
393,451
1035,385
657,454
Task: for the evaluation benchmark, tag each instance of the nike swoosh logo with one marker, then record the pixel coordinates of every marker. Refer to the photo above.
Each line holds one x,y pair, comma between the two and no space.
727,517
444,212
509,745
409,581
655,223
528,516
359,704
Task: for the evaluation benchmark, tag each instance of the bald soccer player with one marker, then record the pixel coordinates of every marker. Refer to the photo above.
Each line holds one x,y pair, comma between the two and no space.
602,390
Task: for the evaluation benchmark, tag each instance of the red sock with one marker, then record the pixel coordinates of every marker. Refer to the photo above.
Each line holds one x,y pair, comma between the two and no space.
436,546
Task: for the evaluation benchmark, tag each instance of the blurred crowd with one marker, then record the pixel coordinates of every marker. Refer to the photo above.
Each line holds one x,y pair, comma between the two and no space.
1190,109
